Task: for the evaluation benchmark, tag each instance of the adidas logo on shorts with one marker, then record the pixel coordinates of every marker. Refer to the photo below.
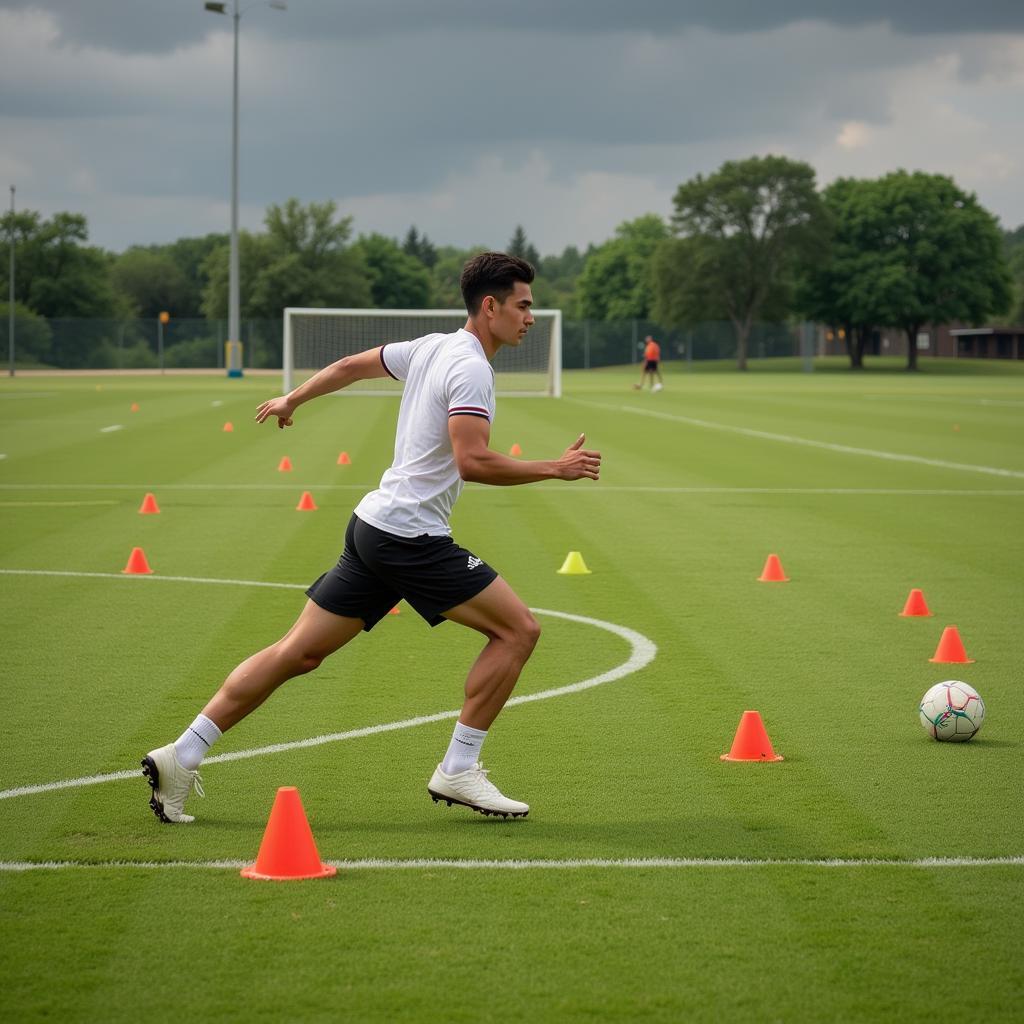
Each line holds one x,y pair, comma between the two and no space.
474,562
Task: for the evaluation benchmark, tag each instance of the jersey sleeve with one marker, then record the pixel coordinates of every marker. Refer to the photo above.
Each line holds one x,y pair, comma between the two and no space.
470,390
395,357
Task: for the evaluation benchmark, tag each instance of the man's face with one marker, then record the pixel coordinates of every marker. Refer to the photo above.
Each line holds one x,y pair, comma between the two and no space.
511,319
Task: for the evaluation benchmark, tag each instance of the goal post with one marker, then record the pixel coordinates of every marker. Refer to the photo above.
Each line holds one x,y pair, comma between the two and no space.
315,338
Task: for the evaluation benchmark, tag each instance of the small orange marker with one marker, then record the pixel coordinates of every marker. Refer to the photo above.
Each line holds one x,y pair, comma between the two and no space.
137,564
288,851
772,571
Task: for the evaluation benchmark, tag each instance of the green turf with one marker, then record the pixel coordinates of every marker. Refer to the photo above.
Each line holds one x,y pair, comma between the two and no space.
98,670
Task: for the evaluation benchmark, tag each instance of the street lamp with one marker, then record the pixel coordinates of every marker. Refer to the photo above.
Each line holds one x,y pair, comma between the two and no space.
234,328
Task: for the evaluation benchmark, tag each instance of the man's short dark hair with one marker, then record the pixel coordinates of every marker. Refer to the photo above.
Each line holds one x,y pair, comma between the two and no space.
492,273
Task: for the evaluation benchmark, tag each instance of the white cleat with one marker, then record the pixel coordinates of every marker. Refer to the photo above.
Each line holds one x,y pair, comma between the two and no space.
171,784
658,386
473,789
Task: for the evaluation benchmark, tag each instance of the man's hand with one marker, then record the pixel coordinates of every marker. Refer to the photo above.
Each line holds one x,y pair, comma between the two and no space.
579,463
279,407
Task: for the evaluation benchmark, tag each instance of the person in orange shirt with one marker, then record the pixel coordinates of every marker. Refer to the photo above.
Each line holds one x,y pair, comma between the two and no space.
652,356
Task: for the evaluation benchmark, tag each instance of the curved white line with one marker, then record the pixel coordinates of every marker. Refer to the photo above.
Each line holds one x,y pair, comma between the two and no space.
642,653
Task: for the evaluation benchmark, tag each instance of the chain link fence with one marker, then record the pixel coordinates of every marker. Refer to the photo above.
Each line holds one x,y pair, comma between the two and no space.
78,344
146,344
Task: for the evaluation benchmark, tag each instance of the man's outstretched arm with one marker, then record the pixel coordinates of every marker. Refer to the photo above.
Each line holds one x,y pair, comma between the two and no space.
363,366
470,437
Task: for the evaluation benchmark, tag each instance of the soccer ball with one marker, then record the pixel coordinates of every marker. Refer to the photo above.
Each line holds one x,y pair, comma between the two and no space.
952,711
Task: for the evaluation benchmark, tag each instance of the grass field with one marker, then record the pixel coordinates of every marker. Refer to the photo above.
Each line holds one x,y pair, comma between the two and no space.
872,875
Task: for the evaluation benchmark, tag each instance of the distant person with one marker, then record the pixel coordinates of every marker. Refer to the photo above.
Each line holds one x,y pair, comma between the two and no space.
399,545
652,356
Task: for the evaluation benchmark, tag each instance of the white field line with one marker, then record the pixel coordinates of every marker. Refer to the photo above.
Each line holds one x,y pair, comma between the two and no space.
845,449
642,653
557,488
111,428
53,504
950,399
629,863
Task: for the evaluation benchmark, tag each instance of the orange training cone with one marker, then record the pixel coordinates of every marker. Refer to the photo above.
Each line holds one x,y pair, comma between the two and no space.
285,465
228,427
288,850
149,507
772,571
306,503
951,649
137,564
394,611
515,450
134,407
916,605
344,460
751,742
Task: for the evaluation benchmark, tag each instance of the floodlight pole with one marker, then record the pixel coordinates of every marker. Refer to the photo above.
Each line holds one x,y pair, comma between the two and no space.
10,300
233,272
234,300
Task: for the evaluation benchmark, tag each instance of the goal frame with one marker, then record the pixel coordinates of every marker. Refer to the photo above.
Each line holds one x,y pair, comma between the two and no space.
554,374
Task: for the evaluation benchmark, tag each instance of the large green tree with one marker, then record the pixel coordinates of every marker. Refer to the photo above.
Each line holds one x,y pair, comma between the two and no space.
745,233
302,259
842,289
57,274
922,251
397,280
519,245
152,282
616,282
1013,247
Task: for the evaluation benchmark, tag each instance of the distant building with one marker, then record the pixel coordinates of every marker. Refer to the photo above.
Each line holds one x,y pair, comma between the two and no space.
948,341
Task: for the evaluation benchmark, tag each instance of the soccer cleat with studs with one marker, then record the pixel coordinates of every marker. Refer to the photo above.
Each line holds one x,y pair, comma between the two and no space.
171,785
474,790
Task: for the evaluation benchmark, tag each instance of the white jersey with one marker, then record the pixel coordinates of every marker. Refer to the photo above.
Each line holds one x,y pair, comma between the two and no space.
445,375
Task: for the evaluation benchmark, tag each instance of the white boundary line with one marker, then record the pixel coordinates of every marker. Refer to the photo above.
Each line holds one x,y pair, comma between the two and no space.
554,488
642,653
634,863
790,439
111,428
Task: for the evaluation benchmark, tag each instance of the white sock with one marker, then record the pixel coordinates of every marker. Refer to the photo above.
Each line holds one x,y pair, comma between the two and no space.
191,746
464,749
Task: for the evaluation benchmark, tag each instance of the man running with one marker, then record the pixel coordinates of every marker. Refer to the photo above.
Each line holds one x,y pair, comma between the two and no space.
398,543
652,357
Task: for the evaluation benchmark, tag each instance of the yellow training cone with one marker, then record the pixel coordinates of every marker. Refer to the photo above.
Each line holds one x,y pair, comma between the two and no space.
574,565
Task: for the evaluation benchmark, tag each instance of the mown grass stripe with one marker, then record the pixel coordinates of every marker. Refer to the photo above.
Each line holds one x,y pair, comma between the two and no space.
845,449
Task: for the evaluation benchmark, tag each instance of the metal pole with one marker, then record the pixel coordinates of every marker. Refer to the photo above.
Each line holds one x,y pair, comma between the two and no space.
234,333
10,306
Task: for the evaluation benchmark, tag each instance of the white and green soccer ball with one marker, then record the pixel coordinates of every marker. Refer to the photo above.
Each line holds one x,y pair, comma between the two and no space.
952,711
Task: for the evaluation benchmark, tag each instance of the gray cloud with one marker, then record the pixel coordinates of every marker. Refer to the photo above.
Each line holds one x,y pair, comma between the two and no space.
157,26
568,124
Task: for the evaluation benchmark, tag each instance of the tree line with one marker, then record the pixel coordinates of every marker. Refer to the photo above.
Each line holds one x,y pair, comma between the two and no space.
755,241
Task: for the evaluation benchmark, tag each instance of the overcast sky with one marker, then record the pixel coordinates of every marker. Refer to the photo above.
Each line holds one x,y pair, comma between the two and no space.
468,117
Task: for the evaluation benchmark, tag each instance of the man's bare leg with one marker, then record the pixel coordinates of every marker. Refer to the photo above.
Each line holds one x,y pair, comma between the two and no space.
316,634
512,633
171,770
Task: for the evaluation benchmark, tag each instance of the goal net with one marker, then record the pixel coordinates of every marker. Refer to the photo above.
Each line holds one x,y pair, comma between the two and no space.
315,338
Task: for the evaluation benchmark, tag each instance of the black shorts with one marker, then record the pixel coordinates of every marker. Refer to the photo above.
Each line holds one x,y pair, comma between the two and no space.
651,364
377,569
